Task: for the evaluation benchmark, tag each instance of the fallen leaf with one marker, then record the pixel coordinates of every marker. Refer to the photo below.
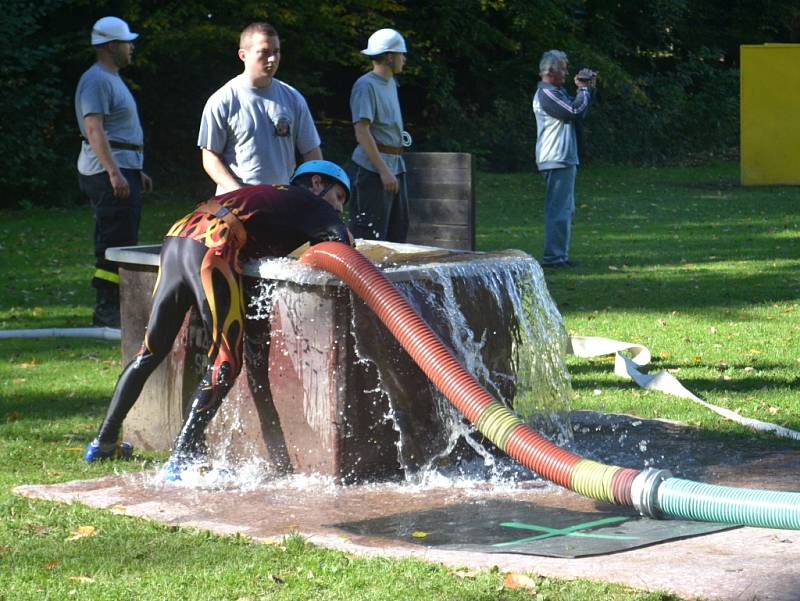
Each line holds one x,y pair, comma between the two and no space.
85,579
26,365
419,534
512,580
82,532
52,564
73,449
663,354
19,380
774,410
15,415
119,508
613,268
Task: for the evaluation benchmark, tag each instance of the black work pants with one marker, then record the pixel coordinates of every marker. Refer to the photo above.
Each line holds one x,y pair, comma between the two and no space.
116,220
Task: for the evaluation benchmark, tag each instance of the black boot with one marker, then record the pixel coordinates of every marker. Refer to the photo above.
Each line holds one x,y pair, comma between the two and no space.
106,307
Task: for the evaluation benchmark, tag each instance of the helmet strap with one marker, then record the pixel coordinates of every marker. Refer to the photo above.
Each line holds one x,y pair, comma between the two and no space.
326,189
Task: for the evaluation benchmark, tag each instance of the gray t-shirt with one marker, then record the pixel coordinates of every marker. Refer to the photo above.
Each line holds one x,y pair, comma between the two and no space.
375,99
102,91
244,124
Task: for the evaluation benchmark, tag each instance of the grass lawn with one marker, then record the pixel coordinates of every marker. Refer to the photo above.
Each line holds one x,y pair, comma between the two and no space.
682,260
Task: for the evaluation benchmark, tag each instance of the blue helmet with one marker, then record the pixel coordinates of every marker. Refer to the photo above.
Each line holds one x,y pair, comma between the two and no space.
326,168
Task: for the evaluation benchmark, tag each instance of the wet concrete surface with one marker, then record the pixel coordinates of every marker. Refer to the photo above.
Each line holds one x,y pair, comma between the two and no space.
743,563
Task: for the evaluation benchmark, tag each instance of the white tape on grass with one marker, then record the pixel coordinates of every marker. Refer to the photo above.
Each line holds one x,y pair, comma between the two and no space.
102,333
628,367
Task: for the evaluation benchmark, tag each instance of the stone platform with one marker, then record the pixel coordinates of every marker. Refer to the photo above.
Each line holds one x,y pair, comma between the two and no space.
743,563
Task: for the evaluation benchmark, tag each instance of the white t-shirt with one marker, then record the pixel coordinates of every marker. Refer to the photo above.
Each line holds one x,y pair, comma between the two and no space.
256,130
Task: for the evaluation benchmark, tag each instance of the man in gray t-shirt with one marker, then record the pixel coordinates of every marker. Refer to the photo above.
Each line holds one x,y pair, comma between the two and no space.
379,207
110,162
252,125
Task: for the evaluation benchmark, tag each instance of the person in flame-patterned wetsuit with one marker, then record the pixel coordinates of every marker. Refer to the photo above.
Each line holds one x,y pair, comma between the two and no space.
199,266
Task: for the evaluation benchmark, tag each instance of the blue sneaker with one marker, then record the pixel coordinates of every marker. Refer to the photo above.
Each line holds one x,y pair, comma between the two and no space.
94,452
172,470
175,467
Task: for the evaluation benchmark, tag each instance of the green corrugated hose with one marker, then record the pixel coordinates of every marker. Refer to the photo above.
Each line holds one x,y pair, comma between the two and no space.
690,500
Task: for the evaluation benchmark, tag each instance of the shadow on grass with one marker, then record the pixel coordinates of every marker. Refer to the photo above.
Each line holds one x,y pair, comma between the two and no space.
760,461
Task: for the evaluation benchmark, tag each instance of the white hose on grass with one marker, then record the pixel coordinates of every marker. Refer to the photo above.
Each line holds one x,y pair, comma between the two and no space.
663,381
102,333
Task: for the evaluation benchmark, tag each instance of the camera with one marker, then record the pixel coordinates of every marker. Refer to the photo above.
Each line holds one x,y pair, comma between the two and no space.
586,74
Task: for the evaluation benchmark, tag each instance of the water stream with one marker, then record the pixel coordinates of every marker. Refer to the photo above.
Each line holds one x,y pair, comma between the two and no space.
492,310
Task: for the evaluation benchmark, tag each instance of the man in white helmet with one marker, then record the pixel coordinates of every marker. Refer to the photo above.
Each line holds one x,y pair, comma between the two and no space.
252,126
111,158
377,171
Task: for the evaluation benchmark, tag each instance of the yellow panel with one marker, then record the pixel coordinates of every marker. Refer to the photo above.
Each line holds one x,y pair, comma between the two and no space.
770,114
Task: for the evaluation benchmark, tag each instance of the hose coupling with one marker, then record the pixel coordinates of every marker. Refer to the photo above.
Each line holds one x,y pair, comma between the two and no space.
644,491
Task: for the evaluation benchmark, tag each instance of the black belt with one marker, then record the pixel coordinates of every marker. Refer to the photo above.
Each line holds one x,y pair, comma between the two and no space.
122,145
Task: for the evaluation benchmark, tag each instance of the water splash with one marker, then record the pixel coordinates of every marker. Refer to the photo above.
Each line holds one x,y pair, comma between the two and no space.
497,317
492,310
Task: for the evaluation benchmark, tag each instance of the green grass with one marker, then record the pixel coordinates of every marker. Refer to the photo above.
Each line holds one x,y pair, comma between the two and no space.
701,271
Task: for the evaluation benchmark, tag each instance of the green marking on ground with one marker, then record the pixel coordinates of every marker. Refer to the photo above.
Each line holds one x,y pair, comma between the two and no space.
570,531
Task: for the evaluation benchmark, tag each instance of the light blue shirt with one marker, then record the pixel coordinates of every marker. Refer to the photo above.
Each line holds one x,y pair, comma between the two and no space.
103,92
375,99
243,124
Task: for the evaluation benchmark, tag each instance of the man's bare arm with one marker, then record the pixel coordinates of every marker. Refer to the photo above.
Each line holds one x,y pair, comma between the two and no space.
218,171
313,155
96,134
364,137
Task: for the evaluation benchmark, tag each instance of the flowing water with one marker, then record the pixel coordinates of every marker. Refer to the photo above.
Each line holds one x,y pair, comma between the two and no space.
495,314
497,317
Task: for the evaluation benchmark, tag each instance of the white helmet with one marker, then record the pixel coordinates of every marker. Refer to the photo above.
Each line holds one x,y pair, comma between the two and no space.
108,29
384,40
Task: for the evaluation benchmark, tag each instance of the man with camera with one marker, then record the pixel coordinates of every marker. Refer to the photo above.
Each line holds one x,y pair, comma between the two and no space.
557,115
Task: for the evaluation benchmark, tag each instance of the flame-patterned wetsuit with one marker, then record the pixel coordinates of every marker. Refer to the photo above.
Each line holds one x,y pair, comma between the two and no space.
198,266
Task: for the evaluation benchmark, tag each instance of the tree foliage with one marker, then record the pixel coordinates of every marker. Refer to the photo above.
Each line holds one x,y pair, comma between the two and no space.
668,84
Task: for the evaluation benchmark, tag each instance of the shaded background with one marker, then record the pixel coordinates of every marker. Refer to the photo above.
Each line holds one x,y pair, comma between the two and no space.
668,90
